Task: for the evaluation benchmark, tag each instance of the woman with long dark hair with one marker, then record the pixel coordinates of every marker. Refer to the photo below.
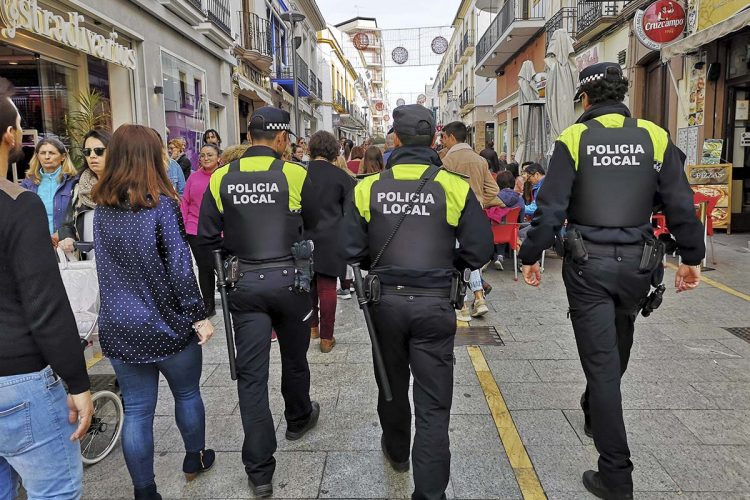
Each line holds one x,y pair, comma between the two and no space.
152,319
372,163
332,186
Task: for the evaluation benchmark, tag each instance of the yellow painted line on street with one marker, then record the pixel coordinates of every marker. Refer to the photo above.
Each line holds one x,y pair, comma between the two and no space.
528,481
94,360
716,284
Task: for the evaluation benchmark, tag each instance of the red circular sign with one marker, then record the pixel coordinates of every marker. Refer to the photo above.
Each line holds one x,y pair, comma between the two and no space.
379,106
664,21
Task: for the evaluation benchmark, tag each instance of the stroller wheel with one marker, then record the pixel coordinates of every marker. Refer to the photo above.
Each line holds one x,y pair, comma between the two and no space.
106,426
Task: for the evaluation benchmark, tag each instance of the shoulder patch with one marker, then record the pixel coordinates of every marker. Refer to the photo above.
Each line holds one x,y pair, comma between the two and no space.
11,188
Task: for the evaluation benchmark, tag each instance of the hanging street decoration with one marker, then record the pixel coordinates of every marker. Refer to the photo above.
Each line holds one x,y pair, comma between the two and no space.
400,55
439,45
379,106
421,99
361,41
386,118
400,102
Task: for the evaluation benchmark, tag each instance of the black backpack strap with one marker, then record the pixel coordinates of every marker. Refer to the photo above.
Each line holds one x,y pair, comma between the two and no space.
594,124
235,165
277,165
387,174
630,122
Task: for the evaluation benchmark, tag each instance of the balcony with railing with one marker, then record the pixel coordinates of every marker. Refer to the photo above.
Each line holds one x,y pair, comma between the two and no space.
256,42
467,45
517,23
565,18
284,76
466,99
593,17
218,24
190,11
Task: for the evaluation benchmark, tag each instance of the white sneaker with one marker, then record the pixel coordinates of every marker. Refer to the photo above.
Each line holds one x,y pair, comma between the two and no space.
463,314
498,265
344,294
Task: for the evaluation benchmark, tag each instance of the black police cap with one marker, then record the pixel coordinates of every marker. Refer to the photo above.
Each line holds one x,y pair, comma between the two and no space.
612,72
413,120
270,119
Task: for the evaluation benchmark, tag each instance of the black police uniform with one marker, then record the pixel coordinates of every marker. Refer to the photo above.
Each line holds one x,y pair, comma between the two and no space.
605,173
257,202
414,319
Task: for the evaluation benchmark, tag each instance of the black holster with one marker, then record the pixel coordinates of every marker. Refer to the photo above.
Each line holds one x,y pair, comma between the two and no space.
459,282
302,253
372,288
231,271
653,255
575,247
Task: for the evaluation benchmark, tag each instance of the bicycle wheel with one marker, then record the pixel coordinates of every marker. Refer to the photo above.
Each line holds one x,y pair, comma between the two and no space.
106,426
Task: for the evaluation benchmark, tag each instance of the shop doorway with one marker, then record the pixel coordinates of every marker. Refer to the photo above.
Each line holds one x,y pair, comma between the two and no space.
44,95
738,154
655,106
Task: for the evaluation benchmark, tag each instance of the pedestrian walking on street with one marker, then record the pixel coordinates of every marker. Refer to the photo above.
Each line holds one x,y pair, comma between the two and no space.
95,144
53,177
462,159
403,227
605,172
152,319
332,187
355,162
260,204
40,424
211,136
177,149
490,155
190,206
373,162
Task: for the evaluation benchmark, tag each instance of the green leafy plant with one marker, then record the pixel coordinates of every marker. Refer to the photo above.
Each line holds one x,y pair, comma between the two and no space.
92,113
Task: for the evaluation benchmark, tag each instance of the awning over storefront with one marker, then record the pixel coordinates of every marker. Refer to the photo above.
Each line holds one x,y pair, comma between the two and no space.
288,85
708,35
252,90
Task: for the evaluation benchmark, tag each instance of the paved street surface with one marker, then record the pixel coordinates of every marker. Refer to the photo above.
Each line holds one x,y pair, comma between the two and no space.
686,400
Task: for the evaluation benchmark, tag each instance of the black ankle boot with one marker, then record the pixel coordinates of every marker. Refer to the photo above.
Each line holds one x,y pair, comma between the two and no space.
197,462
147,493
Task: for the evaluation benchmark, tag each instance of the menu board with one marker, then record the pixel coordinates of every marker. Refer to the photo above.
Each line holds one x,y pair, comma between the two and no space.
714,181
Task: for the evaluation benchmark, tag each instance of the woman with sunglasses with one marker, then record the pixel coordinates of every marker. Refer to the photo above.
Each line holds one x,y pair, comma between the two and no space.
94,150
190,205
53,177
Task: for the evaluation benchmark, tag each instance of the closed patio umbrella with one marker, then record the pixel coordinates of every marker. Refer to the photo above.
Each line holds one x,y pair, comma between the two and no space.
526,93
562,79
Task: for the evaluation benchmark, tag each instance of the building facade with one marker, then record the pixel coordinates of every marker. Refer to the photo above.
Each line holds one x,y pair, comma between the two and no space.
463,95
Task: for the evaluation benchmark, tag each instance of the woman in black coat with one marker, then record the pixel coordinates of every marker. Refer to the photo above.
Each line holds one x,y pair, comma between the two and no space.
332,187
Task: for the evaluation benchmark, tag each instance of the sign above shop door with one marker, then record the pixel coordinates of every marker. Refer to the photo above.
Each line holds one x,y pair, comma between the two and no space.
662,22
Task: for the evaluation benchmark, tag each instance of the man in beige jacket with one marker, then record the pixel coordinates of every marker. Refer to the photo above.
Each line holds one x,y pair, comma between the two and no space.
462,159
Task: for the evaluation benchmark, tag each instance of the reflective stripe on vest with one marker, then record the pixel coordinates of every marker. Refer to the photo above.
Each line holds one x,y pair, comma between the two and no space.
257,196
617,176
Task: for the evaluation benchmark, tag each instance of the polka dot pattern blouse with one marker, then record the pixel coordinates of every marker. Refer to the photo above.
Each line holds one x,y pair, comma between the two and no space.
149,295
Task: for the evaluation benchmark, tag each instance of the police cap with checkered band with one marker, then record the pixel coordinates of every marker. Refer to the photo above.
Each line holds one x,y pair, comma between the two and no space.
597,72
270,119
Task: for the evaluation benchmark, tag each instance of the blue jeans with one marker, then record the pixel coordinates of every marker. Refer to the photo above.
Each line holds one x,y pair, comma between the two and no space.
35,438
139,384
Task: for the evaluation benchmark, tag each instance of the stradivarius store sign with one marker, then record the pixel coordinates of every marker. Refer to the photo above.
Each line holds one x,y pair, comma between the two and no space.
68,30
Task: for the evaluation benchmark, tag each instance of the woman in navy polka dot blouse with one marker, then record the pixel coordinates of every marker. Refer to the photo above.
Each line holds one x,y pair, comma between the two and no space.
152,319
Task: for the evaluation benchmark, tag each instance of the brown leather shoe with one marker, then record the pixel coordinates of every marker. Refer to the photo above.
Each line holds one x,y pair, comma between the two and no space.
314,333
326,345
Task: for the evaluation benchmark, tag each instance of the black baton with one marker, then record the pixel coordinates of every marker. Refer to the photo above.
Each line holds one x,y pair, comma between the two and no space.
222,286
377,356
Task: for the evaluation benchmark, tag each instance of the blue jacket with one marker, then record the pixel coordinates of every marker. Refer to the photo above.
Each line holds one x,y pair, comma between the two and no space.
63,197
531,207
149,295
174,172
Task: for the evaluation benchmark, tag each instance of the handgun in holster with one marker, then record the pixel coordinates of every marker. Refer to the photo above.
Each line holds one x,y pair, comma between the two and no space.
653,255
575,247
231,271
302,253
459,283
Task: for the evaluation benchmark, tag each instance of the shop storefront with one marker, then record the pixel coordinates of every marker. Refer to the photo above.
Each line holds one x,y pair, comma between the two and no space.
55,58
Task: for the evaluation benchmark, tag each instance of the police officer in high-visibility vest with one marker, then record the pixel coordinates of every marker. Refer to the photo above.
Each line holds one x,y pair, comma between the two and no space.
415,264
260,204
606,173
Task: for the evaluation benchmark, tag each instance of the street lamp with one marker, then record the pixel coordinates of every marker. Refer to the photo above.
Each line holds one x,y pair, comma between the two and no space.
293,18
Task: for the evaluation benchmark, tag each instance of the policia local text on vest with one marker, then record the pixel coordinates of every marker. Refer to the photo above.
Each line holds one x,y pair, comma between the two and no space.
414,318
261,206
606,174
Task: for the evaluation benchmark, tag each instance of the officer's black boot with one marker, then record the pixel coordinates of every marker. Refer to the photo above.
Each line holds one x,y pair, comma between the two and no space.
147,493
261,490
586,416
593,482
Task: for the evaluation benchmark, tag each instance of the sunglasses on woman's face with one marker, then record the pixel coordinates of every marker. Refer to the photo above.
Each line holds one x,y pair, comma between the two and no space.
97,151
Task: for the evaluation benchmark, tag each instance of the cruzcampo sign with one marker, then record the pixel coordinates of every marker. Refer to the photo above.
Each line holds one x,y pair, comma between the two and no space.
662,22
64,29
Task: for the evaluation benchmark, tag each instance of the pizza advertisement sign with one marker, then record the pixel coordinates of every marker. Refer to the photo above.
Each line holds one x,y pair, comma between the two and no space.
714,181
661,23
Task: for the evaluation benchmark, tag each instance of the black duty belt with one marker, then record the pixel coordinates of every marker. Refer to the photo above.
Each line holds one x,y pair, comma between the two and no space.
614,249
260,266
413,291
